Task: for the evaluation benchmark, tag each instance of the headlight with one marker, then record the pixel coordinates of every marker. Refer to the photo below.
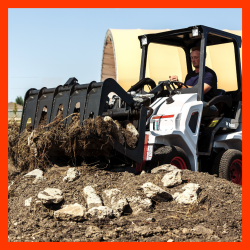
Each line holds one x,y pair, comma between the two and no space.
144,41
195,32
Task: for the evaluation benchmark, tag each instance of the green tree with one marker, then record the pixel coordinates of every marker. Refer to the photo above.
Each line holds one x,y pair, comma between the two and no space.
19,100
15,109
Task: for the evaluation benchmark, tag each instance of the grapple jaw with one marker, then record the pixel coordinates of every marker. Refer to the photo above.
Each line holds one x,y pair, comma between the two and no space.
93,101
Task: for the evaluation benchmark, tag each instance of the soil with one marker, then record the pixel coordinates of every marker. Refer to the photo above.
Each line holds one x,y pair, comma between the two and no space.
219,208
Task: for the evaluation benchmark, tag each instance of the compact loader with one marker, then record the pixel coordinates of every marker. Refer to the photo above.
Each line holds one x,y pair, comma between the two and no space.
175,125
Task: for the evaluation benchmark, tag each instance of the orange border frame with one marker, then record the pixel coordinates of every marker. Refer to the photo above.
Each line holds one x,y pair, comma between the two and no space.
111,4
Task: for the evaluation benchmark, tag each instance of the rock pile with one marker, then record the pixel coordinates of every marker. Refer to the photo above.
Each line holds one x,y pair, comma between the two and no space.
113,203
86,204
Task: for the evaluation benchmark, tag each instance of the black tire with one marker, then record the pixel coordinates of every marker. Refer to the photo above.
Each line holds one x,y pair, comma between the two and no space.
166,154
228,165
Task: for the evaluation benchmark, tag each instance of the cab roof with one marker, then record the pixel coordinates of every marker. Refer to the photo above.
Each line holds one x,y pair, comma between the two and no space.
183,37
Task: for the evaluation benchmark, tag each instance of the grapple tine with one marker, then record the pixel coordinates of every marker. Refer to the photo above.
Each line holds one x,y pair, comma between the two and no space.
79,95
29,108
45,99
62,98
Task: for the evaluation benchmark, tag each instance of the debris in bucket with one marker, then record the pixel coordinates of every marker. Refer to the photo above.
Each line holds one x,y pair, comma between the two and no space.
33,149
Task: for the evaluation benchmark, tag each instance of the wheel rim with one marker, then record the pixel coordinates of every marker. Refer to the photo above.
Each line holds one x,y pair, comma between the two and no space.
178,162
236,171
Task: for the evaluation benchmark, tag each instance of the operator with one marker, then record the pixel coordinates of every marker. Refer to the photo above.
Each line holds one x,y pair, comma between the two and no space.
210,78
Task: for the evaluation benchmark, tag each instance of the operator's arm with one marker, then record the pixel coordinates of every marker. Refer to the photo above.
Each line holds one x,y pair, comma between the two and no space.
175,78
209,81
206,88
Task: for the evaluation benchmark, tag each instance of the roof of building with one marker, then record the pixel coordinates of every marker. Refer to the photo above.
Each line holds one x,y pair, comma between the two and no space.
11,106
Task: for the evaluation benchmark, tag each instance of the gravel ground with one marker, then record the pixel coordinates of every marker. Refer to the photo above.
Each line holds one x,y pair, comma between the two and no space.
216,216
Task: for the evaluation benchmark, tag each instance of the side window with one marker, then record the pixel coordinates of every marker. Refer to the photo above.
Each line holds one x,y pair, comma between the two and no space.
221,59
193,121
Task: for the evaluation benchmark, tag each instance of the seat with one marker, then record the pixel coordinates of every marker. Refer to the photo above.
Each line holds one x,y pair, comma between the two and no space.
220,92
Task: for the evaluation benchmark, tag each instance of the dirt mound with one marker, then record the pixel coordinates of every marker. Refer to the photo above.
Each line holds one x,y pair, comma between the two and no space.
216,216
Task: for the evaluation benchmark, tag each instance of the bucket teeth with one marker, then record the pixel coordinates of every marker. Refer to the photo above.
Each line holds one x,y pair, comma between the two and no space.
92,100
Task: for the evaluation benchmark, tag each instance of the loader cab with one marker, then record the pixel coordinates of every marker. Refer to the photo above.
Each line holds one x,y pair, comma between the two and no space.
184,40
207,39
226,116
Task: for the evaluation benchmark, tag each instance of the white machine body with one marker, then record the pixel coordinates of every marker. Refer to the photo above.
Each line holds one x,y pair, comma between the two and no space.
169,125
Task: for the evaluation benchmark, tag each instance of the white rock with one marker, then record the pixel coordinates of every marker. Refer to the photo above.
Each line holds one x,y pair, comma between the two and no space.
50,195
155,193
72,174
172,179
170,240
92,199
39,179
74,212
31,143
199,229
107,118
114,199
30,137
143,172
10,185
35,173
117,132
190,194
130,127
164,168
191,186
101,212
138,204
116,129
185,231
175,195
28,202
150,219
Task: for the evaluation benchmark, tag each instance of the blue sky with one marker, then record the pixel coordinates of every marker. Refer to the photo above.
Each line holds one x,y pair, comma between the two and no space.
48,46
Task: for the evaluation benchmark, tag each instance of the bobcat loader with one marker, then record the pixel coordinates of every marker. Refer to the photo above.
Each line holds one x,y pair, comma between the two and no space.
175,125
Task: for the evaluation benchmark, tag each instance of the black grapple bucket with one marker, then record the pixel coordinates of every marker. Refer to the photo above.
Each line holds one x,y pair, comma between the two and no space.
93,101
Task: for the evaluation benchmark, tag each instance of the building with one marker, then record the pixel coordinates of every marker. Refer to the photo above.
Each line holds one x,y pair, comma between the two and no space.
11,108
